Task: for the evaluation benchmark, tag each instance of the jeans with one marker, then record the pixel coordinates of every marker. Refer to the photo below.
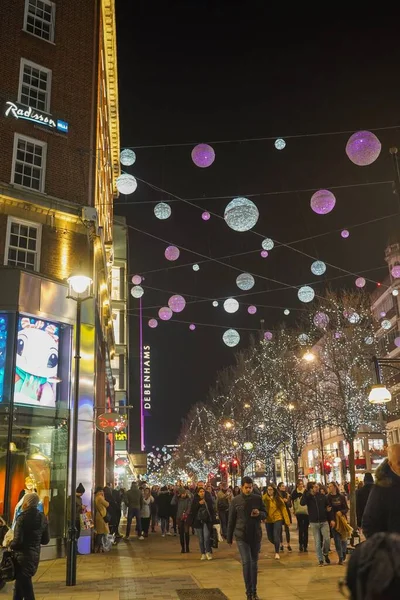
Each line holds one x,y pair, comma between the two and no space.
183,529
164,525
303,522
340,545
223,519
274,533
133,512
287,533
204,538
23,588
174,523
249,557
317,530
154,519
145,525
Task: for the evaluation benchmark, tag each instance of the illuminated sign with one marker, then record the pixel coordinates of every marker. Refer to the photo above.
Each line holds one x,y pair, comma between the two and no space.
27,113
111,422
146,378
121,437
3,349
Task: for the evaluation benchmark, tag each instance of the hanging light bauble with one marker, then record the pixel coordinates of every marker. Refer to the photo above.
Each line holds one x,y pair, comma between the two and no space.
203,155
318,267
136,280
165,313
360,282
280,144
172,253
363,148
231,305
267,244
231,338
153,323
306,294
252,310
126,184
241,214
177,303
322,202
245,281
137,291
127,157
162,211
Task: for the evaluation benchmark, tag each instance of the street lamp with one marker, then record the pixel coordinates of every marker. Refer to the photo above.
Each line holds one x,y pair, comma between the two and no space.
228,424
309,356
379,394
79,289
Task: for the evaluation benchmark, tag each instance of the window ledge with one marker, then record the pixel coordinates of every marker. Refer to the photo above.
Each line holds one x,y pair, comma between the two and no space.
38,37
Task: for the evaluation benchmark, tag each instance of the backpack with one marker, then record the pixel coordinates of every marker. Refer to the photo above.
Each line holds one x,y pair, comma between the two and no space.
203,514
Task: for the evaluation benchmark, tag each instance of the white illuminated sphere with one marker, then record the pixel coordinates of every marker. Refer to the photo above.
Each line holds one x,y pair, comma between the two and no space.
318,267
245,281
354,318
286,312
241,214
306,294
196,267
395,293
303,339
126,184
165,313
177,303
369,340
137,291
386,324
162,211
231,338
172,253
127,157
267,244
360,282
136,280
153,323
215,303
280,144
231,305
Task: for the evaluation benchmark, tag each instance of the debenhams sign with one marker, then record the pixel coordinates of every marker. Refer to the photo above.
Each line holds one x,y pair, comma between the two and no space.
27,113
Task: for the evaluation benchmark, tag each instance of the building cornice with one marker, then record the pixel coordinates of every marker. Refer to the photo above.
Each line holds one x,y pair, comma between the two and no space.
110,48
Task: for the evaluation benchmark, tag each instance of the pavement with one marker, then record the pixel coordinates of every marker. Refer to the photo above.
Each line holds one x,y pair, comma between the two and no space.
154,569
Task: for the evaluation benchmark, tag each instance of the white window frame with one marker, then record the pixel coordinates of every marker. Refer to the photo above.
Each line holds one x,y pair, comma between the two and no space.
53,20
18,136
29,63
37,226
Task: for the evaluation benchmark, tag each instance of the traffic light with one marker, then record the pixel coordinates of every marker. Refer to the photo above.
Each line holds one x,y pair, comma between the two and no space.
233,466
222,467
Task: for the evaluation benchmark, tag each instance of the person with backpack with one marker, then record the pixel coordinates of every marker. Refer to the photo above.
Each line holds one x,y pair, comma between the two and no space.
202,516
223,508
301,513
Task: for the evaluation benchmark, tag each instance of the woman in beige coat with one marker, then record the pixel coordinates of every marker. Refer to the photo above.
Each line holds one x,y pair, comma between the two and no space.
101,527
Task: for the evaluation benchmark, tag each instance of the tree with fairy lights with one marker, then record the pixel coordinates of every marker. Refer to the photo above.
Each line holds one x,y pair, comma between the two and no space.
341,375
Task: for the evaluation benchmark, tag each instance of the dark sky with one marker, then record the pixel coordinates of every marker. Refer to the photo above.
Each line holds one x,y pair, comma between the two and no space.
204,71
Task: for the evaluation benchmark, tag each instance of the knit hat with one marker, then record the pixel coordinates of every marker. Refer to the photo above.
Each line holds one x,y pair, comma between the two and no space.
80,489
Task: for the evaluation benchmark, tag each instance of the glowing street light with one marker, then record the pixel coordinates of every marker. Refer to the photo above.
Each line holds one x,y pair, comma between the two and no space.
379,394
228,424
309,356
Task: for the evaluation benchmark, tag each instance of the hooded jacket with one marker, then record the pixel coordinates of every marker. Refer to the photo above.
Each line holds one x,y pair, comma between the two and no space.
382,512
163,502
362,496
31,530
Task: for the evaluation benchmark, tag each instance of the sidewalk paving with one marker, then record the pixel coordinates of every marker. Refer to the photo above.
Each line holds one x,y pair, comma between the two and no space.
154,569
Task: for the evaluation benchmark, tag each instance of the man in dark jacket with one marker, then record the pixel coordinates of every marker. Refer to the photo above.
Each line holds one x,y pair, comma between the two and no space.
317,505
246,512
362,496
382,512
134,501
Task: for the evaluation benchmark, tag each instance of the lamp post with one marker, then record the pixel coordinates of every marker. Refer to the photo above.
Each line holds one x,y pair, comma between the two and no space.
79,289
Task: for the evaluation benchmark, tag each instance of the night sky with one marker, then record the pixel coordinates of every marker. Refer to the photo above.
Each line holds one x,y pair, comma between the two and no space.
205,71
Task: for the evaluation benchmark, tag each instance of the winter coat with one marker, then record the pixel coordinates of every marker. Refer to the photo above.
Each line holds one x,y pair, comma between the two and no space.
362,496
101,506
183,505
222,501
288,504
145,512
239,518
134,498
113,509
196,523
163,502
31,530
382,512
338,503
280,505
317,505
297,507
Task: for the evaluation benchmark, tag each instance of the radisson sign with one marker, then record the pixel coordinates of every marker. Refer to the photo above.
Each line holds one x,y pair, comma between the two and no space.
27,113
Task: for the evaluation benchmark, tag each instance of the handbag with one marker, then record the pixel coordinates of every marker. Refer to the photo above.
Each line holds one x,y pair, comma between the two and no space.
107,517
214,538
7,566
184,516
203,514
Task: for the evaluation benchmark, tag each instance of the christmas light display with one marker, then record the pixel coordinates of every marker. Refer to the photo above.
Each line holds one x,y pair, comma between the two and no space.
192,326
172,253
196,267
231,305
286,312
264,254
241,214
177,303
206,216
267,244
136,280
345,233
126,184
322,202
306,294
245,281
162,211
318,267
203,155
252,310
153,323
386,324
137,291
321,320
280,144
231,338
363,148
360,282
215,303
165,313
127,157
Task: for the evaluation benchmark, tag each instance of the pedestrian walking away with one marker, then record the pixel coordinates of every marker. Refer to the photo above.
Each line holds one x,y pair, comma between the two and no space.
246,512
276,517
183,500
134,500
202,516
301,513
223,500
382,512
163,502
317,505
337,507
362,496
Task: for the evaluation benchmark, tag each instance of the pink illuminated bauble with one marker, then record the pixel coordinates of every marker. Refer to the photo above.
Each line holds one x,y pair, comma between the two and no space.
136,280
395,271
252,310
165,313
363,148
345,233
153,323
206,216
203,155
177,303
321,320
360,282
264,253
382,314
268,335
322,202
397,342
172,253
192,326
338,335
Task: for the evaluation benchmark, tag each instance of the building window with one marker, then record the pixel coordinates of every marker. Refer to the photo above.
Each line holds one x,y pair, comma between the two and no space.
118,283
34,85
22,244
29,162
39,18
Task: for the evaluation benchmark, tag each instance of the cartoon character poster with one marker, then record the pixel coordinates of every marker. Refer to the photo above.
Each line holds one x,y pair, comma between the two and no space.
36,362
